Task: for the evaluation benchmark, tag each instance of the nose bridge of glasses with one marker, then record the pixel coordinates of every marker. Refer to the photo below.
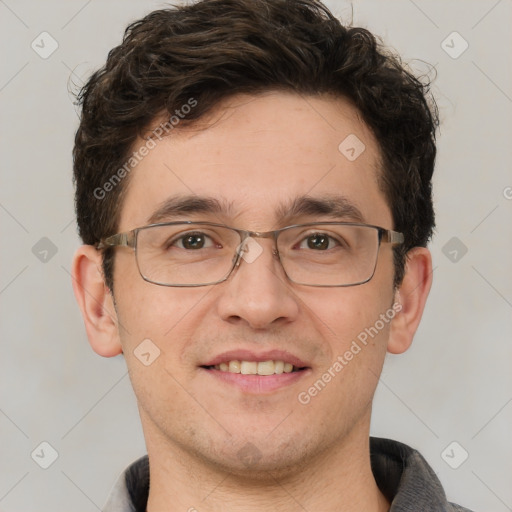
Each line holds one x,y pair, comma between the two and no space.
266,234
249,249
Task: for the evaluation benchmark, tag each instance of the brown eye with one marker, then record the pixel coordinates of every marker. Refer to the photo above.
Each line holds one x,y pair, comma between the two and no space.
318,241
193,242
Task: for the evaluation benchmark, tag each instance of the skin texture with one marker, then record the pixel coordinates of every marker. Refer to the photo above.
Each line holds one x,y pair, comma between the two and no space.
255,151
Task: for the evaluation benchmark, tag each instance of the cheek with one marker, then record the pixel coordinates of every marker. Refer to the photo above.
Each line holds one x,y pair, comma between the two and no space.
344,315
354,324
156,325
150,312
341,391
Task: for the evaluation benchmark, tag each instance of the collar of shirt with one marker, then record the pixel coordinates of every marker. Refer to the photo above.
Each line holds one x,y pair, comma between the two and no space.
401,473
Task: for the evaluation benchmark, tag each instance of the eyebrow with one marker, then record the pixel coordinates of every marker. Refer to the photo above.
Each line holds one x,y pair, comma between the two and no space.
335,206
332,206
179,206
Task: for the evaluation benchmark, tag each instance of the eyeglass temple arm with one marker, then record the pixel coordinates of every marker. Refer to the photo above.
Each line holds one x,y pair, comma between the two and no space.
393,237
121,239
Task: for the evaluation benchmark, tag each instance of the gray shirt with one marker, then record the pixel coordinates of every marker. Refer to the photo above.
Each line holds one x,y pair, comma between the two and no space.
401,473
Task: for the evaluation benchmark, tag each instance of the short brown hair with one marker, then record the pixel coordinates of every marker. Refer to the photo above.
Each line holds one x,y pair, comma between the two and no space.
213,49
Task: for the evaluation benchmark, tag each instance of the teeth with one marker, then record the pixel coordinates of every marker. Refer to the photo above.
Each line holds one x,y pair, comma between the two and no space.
266,368
233,366
248,368
255,368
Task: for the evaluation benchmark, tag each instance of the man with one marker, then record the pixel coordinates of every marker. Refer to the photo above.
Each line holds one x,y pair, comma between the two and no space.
253,189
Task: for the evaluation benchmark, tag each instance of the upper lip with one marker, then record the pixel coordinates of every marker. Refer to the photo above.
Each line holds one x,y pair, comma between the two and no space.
250,355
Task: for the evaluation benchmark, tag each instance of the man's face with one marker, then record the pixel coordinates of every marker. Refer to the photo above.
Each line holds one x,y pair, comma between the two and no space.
261,153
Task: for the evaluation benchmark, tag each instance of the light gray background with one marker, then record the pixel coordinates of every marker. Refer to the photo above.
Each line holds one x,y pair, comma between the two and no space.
453,385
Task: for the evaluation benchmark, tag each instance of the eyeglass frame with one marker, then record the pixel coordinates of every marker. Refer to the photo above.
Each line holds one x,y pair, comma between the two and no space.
129,239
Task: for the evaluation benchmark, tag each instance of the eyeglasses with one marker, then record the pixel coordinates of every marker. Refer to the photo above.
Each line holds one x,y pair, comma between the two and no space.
205,253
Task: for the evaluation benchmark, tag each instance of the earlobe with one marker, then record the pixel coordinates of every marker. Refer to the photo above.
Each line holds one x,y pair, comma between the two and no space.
412,297
95,302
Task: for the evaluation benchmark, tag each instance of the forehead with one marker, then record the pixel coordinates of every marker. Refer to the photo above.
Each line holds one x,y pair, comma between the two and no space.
259,155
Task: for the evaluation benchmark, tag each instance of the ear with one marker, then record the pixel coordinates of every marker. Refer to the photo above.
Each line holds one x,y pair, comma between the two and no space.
95,301
411,296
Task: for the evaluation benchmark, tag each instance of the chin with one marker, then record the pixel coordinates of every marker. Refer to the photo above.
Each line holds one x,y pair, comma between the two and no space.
248,461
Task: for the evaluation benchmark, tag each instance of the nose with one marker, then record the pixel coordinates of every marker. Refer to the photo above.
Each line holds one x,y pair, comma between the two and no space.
258,292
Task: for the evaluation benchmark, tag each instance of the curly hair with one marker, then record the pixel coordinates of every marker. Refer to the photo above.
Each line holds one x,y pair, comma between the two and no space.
213,49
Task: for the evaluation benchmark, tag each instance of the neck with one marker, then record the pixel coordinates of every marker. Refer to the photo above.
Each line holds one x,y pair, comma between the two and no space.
339,480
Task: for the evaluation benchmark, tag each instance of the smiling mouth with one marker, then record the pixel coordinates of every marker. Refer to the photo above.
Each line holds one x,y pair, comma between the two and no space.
263,368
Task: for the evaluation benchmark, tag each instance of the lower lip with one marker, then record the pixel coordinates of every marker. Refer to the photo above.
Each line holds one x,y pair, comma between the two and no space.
258,384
